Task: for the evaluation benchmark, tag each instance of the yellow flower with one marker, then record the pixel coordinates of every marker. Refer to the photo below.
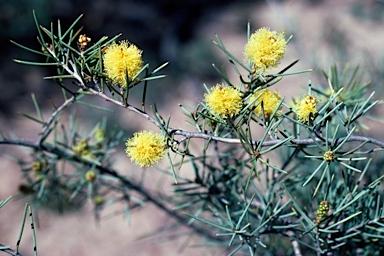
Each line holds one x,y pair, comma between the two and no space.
121,59
306,109
224,100
270,102
146,148
265,49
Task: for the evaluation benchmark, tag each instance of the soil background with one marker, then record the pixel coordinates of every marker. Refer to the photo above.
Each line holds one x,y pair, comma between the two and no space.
326,32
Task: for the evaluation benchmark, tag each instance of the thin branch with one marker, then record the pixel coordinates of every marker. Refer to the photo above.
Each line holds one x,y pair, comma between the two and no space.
200,135
67,154
46,127
129,107
295,244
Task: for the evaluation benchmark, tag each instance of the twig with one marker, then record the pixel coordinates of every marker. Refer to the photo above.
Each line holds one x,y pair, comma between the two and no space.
46,127
197,135
295,244
67,154
129,107
188,135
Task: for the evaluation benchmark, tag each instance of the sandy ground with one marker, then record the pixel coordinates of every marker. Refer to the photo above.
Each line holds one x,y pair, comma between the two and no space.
77,233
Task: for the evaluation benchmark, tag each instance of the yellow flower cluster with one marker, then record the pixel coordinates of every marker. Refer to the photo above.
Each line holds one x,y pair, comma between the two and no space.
146,148
122,60
265,49
270,102
224,101
306,109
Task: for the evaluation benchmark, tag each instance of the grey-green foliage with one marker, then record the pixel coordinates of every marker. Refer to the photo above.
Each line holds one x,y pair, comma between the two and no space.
294,188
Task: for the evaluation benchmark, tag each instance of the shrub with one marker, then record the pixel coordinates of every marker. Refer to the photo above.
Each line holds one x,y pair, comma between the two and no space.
309,183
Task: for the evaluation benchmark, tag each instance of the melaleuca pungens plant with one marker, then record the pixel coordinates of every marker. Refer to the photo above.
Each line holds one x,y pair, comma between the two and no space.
308,184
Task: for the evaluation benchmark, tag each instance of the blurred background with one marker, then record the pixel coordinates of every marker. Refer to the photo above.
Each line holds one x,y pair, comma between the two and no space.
325,32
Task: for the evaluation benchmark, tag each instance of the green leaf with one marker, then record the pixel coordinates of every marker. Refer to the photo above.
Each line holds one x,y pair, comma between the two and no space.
229,55
36,63
3,202
29,49
37,107
32,118
72,25
209,222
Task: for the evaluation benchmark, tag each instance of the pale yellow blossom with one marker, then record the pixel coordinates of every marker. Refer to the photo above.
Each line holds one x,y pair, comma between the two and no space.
306,108
270,102
224,101
146,148
265,49
122,60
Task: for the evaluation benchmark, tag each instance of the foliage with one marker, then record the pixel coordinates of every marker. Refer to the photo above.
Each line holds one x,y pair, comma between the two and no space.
307,184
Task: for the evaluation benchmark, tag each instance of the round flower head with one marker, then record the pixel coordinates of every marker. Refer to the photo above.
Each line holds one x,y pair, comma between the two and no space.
265,49
146,148
306,108
224,101
270,102
122,60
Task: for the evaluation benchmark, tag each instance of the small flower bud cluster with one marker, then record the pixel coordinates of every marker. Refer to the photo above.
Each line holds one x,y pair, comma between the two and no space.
329,156
83,42
81,149
322,211
99,136
90,176
37,168
98,200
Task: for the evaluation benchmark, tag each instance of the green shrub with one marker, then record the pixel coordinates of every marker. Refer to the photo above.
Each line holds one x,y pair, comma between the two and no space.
307,182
